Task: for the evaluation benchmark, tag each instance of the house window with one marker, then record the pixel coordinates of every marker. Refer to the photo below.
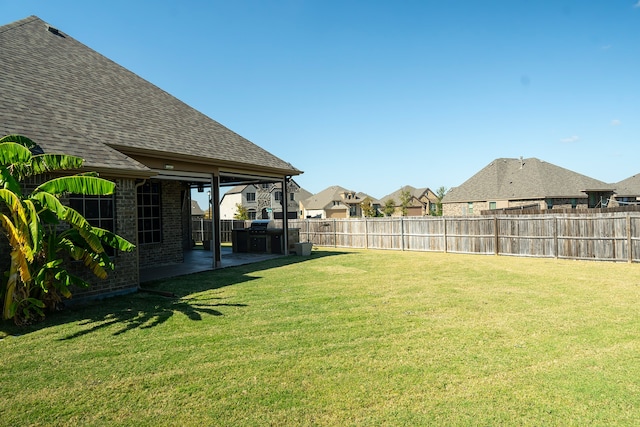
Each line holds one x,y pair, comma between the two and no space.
265,186
574,203
292,197
252,215
492,205
149,218
278,196
99,211
470,208
251,197
549,203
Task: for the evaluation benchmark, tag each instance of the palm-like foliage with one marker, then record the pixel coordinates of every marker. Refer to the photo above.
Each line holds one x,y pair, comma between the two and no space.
37,276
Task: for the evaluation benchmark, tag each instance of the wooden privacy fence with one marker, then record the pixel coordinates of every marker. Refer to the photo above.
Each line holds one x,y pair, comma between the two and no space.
602,237
201,229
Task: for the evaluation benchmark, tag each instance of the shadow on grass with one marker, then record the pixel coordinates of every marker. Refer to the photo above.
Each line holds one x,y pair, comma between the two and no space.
148,309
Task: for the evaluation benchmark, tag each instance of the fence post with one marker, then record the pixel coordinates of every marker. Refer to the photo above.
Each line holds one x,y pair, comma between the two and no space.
402,233
496,239
335,234
444,233
366,233
629,241
555,236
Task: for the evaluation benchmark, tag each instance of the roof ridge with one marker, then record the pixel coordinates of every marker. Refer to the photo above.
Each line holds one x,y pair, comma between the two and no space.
19,23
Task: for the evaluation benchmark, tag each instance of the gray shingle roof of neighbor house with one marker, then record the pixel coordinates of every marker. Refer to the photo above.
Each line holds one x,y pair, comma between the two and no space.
629,187
396,195
522,179
363,196
326,197
195,208
69,98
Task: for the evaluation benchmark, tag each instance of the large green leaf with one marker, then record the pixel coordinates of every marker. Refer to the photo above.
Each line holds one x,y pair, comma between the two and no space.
19,139
14,203
78,184
54,162
51,203
66,243
113,240
8,181
85,229
12,154
34,225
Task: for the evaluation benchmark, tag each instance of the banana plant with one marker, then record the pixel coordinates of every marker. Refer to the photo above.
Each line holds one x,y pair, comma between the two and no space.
37,276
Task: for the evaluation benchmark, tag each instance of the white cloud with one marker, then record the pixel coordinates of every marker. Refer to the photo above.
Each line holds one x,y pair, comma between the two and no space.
637,4
615,122
572,138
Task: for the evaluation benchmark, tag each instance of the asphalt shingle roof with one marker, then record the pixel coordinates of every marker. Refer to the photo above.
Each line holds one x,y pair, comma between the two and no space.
523,179
69,98
629,187
396,196
326,197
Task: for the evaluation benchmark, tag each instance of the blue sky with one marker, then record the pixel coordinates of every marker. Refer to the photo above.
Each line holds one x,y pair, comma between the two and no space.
374,95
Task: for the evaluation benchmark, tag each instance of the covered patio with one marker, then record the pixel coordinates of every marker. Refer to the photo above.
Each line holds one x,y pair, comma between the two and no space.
199,260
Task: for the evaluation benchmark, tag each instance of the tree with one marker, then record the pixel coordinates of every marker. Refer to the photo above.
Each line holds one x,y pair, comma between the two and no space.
440,193
405,202
241,212
389,207
43,233
368,209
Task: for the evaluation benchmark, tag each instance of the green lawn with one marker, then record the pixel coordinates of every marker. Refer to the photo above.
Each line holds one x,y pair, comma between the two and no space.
343,338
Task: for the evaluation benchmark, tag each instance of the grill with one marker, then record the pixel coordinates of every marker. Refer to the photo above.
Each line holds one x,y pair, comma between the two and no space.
260,227
260,237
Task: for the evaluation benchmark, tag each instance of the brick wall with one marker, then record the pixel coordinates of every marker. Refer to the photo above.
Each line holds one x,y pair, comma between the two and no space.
124,278
170,249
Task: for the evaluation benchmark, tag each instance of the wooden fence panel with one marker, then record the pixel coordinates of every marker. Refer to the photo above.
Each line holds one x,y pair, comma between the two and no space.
384,233
471,235
423,234
596,236
592,238
526,236
633,237
350,233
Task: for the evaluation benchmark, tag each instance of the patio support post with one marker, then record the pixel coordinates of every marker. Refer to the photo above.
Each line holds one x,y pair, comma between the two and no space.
285,215
214,205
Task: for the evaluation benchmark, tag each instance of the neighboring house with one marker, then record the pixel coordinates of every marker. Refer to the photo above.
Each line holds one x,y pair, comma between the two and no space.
513,183
627,192
70,99
263,201
196,211
230,199
375,203
422,201
333,202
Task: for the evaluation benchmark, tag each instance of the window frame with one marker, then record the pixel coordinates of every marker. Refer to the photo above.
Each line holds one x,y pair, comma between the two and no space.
149,205
105,216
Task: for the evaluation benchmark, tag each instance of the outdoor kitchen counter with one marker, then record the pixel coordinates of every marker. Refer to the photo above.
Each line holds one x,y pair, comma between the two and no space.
269,240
